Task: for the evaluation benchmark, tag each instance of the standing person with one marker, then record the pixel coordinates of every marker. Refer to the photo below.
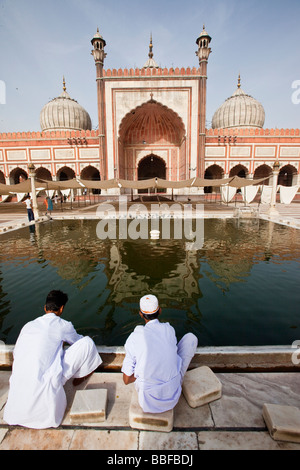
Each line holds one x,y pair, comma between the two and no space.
41,367
154,360
28,203
49,205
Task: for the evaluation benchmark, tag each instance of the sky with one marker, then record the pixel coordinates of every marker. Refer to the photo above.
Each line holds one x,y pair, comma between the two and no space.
43,40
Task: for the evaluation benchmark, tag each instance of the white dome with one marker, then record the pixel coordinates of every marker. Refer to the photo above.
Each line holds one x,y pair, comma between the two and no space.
64,113
240,110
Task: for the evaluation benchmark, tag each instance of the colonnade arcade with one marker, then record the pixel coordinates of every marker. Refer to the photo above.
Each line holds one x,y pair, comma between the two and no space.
17,175
152,165
287,174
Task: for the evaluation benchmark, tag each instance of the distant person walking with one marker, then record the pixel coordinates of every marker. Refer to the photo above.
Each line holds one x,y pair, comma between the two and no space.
28,203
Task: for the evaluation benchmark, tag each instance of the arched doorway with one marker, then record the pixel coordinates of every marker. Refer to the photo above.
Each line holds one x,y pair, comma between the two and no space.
286,175
43,174
263,171
238,170
91,173
18,175
151,166
2,178
65,173
211,173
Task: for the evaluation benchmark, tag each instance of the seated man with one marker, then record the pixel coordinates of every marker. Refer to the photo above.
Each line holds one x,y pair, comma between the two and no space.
154,360
41,367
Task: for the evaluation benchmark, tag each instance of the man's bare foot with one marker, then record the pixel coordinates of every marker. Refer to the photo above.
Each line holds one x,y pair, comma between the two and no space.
79,380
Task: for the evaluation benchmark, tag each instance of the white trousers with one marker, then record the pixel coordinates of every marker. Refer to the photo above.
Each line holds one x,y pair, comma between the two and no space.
186,349
80,359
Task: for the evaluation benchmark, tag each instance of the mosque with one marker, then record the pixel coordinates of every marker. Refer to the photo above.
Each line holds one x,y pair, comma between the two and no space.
151,123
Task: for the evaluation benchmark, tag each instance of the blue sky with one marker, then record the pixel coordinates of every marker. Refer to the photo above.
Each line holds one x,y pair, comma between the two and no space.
42,40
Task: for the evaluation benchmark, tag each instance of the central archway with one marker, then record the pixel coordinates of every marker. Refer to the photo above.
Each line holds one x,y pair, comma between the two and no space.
151,166
147,129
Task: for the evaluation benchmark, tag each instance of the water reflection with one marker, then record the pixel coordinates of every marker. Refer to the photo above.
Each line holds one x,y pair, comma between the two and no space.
224,292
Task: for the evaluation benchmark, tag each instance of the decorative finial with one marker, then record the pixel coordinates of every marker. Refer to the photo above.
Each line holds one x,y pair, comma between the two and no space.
203,27
239,81
64,84
97,30
150,55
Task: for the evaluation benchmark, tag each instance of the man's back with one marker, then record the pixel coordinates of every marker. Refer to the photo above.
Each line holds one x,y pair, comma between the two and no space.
40,342
151,354
37,372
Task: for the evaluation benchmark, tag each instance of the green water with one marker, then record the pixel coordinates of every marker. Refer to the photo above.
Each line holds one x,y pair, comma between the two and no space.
241,288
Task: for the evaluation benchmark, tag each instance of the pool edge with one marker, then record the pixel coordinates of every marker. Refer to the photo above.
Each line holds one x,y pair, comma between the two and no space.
227,358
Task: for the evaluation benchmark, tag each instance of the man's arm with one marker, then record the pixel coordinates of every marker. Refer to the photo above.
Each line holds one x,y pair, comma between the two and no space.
128,379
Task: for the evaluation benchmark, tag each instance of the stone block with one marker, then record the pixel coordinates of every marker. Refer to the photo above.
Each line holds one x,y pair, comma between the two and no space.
138,419
89,406
283,422
201,386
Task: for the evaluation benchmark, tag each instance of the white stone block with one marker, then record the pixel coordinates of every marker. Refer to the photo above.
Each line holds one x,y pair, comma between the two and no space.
138,419
89,406
283,422
201,386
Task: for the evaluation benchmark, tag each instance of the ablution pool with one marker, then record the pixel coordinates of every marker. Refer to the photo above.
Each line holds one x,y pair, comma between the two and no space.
241,288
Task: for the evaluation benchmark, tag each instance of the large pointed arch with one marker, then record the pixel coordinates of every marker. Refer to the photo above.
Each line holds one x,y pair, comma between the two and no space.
151,122
152,128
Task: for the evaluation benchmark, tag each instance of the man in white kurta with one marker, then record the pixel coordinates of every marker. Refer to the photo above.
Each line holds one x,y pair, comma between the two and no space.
154,361
42,366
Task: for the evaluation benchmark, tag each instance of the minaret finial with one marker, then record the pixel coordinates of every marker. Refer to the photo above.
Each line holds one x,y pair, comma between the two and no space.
150,55
64,84
239,81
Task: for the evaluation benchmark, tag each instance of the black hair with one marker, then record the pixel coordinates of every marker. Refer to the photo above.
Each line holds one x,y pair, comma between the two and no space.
55,300
151,316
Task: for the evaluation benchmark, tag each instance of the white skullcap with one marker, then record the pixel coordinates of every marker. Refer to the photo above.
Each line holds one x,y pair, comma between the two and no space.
149,304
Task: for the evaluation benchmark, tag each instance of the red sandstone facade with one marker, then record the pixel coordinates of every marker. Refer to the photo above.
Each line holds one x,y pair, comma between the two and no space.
151,122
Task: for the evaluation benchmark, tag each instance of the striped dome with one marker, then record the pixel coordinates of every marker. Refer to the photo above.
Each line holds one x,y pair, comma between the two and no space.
64,113
240,110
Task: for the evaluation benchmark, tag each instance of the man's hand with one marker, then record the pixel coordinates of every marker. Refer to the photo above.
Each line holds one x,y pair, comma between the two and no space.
128,379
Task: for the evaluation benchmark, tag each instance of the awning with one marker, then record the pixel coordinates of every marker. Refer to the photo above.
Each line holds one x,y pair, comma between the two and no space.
24,187
204,182
238,182
4,189
78,183
104,184
59,185
140,184
173,184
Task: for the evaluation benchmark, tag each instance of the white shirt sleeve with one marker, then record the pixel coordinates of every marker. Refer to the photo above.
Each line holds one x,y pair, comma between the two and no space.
128,366
70,334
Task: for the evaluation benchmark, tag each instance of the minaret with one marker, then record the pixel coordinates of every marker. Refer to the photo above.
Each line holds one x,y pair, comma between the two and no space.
99,56
203,52
151,62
